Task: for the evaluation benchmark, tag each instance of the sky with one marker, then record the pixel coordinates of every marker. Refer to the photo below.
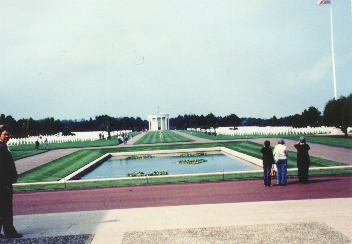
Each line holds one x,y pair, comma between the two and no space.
80,59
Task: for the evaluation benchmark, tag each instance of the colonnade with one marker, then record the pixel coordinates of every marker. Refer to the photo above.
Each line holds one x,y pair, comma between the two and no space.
159,121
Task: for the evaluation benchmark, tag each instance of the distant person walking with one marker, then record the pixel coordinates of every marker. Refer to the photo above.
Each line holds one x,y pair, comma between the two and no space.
161,134
125,139
280,154
36,144
46,144
303,160
8,176
268,162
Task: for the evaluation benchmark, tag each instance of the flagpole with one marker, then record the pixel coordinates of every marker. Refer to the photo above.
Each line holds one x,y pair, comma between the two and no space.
333,52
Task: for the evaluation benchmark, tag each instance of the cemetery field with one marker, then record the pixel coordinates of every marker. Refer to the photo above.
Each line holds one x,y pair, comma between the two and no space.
153,137
328,140
26,150
58,169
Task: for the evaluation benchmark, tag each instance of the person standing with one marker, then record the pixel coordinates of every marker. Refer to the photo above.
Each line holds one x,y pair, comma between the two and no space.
46,144
280,154
36,144
268,162
125,139
8,176
303,160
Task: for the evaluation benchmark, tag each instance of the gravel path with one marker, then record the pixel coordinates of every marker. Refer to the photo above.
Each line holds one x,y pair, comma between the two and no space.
73,239
293,233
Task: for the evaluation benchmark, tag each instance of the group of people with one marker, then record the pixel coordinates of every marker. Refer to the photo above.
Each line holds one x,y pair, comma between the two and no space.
101,135
46,144
124,138
278,159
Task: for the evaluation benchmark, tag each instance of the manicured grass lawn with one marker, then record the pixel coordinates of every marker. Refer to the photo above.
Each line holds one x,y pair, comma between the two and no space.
61,167
153,137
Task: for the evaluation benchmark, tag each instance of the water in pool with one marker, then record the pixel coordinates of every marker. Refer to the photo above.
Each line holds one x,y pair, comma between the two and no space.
117,168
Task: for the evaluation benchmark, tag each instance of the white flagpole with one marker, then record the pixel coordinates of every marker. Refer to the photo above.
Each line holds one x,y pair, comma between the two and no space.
333,52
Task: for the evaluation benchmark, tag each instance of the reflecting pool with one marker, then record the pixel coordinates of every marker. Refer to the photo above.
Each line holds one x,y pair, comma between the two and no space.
117,167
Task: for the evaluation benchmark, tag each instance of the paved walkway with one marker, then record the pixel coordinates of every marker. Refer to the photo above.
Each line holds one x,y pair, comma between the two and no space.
214,212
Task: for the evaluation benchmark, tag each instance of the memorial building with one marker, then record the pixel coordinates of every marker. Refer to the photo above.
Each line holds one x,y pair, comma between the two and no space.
159,121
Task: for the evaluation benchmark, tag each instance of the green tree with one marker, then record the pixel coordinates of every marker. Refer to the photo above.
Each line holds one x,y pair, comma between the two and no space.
311,116
2,119
347,114
210,120
232,120
274,121
338,113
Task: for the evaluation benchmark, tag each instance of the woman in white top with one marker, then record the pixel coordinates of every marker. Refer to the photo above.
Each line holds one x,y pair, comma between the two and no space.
280,156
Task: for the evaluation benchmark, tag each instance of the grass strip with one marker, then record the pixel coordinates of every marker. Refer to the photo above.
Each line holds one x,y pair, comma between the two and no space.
168,180
153,137
61,167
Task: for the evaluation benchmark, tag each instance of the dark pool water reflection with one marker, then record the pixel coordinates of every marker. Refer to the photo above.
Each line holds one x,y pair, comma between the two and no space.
118,168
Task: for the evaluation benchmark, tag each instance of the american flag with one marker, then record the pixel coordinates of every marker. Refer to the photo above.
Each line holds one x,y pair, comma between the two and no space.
321,2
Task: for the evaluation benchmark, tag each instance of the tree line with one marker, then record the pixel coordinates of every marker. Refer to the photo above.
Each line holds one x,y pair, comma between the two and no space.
336,113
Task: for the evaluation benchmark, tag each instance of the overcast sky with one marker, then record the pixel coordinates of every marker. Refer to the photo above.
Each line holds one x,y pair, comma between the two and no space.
72,59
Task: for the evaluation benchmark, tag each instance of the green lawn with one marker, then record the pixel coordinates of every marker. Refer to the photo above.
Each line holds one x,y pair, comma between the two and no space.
59,168
153,137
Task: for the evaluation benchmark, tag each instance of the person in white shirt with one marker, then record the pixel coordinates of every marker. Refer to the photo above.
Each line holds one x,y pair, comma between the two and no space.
280,156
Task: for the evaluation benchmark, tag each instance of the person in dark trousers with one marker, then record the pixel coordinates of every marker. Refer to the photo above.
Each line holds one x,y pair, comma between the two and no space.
303,160
268,162
8,176
36,144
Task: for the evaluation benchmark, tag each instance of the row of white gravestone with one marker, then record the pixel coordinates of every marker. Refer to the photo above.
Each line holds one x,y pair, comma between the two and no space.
79,136
279,130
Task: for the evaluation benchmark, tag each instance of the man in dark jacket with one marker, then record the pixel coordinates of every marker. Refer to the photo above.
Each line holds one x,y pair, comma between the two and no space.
303,160
8,176
268,162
